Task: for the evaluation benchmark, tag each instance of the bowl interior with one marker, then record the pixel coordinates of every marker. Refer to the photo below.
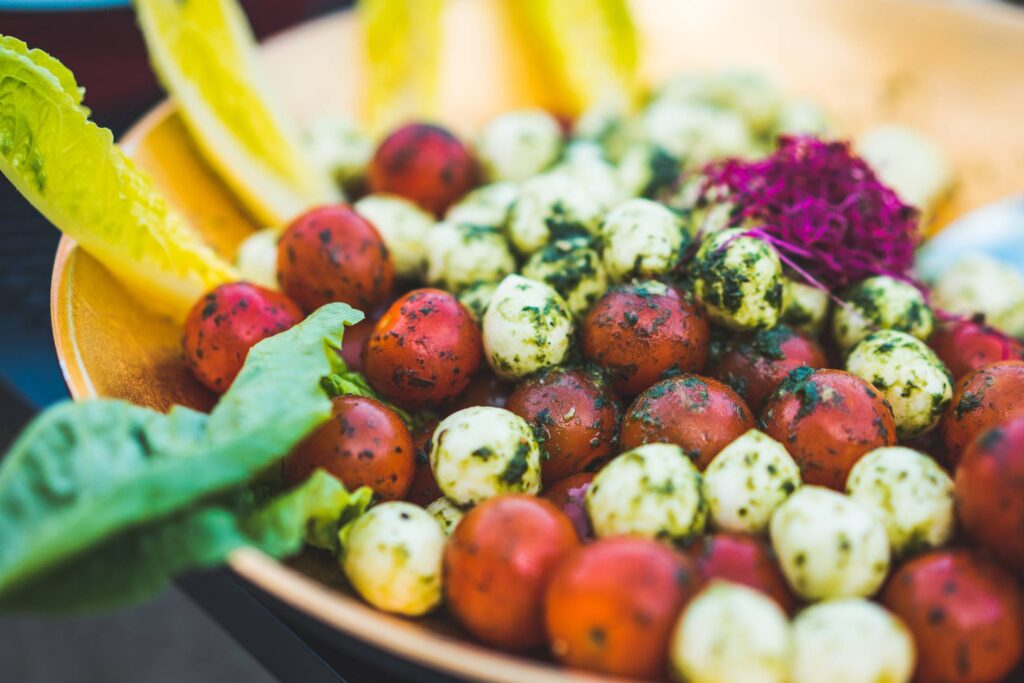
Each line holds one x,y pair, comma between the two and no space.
950,72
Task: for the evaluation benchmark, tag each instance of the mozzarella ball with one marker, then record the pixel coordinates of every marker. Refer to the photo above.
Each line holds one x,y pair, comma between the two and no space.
586,164
552,206
646,169
476,298
747,480
652,490
802,117
462,254
910,492
574,271
447,514
730,634
851,641
518,144
642,239
880,302
337,144
739,280
256,258
804,307
829,546
404,228
392,557
696,132
527,327
908,162
482,452
605,124
980,284
487,205
913,380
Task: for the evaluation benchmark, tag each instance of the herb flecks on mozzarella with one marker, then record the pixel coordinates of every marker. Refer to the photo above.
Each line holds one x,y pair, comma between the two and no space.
488,205
518,144
739,280
880,302
447,514
550,207
404,228
575,271
481,452
463,254
527,327
642,238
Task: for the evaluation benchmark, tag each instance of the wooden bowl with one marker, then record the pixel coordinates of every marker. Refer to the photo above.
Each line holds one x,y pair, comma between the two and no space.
953,72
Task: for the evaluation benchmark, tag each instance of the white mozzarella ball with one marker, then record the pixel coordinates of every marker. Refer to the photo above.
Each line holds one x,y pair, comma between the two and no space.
980,284
605,124
392,557
585,163
910,492
802,117
482,452
461,254
732,634
749,93
447,514
880,302
518,144
337,144
908,162
527,327
552,206
747,480
646,169
642,238
574,271
256,258
804,307
487,205
913,380
404,228
476,298
851,641
739,280
829,546
696,132
652,490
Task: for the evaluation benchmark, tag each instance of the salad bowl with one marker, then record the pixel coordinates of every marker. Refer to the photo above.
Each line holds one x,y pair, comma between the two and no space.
950,71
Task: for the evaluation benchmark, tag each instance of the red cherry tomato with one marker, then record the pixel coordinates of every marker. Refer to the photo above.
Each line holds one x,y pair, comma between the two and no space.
331,253
745,560
611,606
990,492
965,613
755,365
828,420
424,350
224,324
575,417
424,489
498,563
425,164
699,414
966,345
640,336
982,399
363,444
570,496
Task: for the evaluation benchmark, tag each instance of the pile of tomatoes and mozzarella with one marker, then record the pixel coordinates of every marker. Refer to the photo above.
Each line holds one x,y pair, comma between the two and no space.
639,439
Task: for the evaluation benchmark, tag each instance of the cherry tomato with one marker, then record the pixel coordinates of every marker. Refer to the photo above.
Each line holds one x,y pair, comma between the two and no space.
611,606
224,324
363,444
575,417
755,365
425,164
644,332
570,496
827,420
331,253
424,489
990,491
424,350
699,414
982,399
742,559
498,563
966,345
965,613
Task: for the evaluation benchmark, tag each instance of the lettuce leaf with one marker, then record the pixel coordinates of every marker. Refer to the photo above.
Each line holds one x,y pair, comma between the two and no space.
138,563
84,473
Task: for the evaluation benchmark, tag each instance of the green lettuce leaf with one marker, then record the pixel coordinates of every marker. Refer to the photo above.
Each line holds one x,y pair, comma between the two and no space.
138,563
84,473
